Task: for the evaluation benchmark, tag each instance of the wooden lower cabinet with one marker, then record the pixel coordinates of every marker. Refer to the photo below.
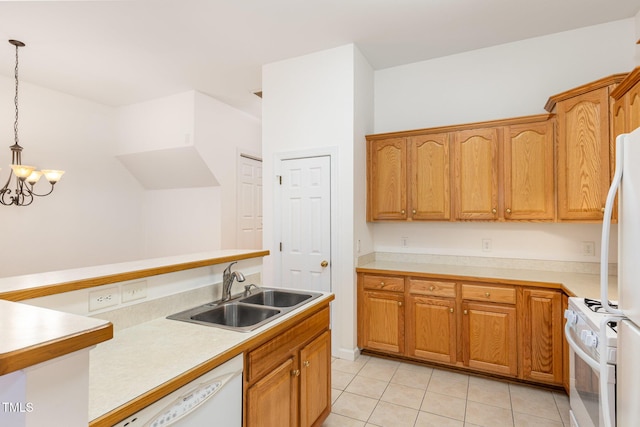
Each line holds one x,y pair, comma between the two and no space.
315,390
542,324
272,401
431,328
511,330
489,338
287,380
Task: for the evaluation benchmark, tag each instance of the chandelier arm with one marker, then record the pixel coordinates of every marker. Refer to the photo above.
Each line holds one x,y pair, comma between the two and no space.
33,193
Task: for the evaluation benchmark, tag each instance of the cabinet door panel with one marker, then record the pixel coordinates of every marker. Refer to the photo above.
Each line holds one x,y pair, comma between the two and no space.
315,380
528,172
387,179
272,401
583,155
429,177
383,326
431,329
489,336
542,335
476,174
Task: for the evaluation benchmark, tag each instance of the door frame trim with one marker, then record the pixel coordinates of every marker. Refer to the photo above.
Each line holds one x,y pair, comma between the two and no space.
332,153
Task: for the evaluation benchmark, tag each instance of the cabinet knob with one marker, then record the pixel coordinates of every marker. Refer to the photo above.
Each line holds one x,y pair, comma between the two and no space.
602,210
324,263
451,310
508,210
414,211
382,284
465,312
487,294
431,288
494,210
399,303
402,211
295,372
306,363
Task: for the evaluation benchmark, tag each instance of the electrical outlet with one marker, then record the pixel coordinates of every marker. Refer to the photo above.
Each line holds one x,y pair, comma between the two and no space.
134,291
486,245
588,249
103,298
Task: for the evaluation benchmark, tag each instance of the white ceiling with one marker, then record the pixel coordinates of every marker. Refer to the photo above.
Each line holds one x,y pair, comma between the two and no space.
122,52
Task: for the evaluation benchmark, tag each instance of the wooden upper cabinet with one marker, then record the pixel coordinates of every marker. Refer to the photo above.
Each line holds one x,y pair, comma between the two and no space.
387,179
626,108
476,174
528,172
583,155
429,184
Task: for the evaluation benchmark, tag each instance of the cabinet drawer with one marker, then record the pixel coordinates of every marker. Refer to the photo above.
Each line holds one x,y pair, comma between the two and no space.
386,283
266,357
432,288
489,293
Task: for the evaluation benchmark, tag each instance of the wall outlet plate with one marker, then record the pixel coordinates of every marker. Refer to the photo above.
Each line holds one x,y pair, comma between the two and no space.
103,298
134,291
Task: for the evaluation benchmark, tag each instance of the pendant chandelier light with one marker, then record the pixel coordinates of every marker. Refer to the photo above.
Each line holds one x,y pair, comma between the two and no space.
22,193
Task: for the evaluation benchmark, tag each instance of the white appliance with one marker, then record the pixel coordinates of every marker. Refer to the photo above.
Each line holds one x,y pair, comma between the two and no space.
213,399
628,404
588,353
626,411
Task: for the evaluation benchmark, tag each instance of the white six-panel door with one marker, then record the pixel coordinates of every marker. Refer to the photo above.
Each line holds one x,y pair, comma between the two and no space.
249,234
306,223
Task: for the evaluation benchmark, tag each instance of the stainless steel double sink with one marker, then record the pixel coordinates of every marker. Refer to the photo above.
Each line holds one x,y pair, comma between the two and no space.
247,312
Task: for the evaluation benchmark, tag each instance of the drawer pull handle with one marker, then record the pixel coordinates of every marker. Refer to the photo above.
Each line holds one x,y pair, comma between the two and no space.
487,294
465,312
295,372
451,310
306,363
431,288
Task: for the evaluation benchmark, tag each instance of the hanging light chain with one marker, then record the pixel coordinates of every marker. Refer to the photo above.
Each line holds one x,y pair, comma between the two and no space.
15,124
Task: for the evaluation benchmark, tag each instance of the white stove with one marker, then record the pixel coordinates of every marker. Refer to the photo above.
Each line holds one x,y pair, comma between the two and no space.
584,320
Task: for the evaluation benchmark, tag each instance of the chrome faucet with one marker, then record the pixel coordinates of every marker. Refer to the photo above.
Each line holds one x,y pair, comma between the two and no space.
227,281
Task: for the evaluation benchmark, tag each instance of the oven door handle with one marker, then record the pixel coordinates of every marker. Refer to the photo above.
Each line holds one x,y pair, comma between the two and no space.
580,352
608,412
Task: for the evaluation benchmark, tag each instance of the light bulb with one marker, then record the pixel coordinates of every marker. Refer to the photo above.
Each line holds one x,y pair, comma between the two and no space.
22,171
34,177
52,176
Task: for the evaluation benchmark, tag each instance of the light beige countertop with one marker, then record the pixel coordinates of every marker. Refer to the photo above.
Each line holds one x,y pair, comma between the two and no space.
19,288
141,358
31,335
575,284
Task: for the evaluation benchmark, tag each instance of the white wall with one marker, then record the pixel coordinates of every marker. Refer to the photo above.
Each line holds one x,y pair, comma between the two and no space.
310,105
94,214
502,81
188,220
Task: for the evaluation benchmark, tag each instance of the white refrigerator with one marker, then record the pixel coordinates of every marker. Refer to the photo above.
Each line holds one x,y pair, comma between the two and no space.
628,357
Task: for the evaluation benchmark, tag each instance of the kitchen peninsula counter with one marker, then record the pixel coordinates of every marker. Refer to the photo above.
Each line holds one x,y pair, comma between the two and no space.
147,361
574,284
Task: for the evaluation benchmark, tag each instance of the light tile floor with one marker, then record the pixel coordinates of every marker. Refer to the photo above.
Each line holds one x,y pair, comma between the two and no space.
378,392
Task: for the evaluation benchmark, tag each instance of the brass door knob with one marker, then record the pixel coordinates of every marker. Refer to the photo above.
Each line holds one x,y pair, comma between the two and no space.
494,210
451,310
295,372
306,363
487,294
465,312
400,303
414,211
402,211
508,210
324,263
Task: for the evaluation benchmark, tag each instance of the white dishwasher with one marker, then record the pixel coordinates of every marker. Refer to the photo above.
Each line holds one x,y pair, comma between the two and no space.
213,399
